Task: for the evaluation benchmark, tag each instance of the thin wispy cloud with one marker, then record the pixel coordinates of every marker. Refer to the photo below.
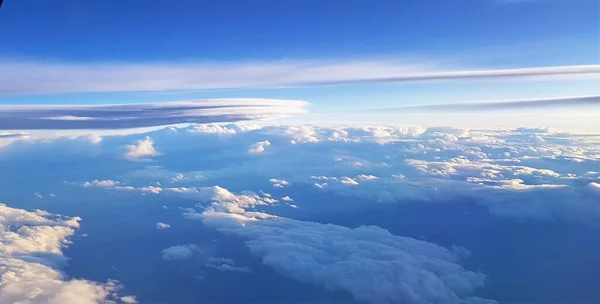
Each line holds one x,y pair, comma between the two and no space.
33,117
22,77
547,103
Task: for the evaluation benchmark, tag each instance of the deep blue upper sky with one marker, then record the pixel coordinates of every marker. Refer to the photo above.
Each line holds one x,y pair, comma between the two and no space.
161,30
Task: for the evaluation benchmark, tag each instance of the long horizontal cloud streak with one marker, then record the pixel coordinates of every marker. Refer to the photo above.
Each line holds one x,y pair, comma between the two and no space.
565,102
43,77
144,115
525,72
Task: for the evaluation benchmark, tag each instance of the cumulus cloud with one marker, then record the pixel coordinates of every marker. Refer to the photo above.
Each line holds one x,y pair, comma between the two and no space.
129,300
162,226
143,148
594,187
383,268
32,117
25,77
278,183
179,252
225,264
31,245
398,164
259,147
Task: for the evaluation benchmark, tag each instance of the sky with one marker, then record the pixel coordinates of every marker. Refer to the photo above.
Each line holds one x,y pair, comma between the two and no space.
368,152
339,58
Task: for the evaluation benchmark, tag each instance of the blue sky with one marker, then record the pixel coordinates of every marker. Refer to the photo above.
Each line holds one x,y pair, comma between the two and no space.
106,37
240,30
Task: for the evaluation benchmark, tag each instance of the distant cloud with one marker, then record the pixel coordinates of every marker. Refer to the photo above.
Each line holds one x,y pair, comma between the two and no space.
143,148
278,183
32,117
162,226
179,252
30,77
259,147
563,102
129,300
225,264
11,135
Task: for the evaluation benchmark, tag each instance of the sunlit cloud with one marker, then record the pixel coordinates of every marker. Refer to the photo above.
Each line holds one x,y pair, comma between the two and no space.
40,77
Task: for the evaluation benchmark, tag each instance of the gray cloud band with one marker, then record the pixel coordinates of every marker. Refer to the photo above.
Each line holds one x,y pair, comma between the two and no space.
499,105
144,115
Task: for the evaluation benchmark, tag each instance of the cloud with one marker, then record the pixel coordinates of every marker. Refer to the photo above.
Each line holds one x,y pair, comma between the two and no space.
225,264
11,135
541,103
179,252
30,254
383,268
259,147
129,300
278,183
594,187
162,226
34,117
23,77
143,148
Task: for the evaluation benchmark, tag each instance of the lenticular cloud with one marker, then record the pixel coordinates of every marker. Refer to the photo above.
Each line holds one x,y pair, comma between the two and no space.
34,117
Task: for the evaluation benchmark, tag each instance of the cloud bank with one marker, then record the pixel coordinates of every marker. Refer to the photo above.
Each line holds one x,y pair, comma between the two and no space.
30,254
368,262
21,77
34,117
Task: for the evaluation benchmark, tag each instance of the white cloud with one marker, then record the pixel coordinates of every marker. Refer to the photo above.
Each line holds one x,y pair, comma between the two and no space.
225,264
129,300
162,226
287,199
278,183
179,252
144,115
259,147
399,164
31,251
143,148
594,187
228,129
28,77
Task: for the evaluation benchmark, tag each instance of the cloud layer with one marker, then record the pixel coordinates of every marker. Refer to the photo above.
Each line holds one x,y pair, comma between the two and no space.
50,77
144,115
547,103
